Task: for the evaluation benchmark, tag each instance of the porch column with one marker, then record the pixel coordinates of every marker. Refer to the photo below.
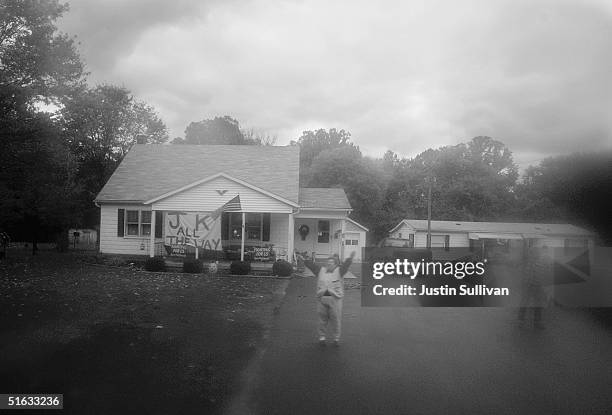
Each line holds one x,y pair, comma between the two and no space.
152,236
242,239
343,227
290,237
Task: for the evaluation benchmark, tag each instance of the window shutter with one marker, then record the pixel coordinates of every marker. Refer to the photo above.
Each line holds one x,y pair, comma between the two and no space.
446,242
265,235
159,223
120,222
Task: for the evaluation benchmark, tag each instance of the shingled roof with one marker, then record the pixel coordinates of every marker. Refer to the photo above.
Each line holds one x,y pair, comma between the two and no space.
150,170
323,198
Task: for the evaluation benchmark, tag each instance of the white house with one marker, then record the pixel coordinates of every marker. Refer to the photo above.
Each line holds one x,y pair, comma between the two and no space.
486,238
456,234
246,201
573,250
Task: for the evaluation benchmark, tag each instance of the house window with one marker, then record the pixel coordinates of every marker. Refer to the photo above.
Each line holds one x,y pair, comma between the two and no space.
138,222
400,235
256,226
235,226
145,223
438,241
446,242
131,222
323,233
411,240
253,226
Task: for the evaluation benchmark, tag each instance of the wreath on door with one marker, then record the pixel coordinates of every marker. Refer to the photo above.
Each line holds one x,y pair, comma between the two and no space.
304,230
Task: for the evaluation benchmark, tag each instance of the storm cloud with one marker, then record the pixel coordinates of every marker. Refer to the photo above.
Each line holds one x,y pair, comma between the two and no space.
403,76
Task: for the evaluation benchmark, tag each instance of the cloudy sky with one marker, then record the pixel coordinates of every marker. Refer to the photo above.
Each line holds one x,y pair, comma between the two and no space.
401,75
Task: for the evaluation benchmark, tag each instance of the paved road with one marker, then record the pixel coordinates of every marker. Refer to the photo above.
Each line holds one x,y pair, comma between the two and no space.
435,360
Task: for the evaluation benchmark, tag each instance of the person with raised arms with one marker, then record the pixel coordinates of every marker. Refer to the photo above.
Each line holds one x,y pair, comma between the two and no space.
330,292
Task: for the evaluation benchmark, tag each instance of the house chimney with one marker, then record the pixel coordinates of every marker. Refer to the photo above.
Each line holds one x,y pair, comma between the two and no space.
141,139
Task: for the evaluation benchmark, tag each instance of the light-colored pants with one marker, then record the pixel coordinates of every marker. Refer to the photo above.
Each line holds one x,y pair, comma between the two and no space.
329,309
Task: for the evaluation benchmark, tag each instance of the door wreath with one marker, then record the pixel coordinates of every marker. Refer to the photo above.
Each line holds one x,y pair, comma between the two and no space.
304,230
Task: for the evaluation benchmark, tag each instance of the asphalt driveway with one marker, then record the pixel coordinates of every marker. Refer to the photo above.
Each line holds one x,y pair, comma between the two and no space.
429,360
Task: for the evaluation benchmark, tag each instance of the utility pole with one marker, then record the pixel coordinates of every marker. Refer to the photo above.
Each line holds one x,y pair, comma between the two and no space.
429,213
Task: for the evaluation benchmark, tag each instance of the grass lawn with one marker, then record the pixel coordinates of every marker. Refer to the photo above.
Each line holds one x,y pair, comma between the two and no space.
116,340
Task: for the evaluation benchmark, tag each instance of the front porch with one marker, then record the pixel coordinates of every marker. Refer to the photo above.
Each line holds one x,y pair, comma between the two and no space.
245,236
255,253
320,234
258,237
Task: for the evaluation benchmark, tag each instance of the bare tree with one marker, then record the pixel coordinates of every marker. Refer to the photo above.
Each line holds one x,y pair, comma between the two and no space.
259,138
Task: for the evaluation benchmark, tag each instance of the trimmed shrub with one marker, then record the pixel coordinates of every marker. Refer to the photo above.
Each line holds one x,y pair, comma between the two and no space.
155,264
240,267
192,266
282,268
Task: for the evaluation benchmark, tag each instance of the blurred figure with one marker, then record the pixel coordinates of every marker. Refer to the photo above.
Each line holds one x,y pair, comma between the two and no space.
537,271
213,267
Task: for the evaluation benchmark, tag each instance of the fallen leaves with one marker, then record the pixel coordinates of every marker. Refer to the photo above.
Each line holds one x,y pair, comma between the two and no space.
36,289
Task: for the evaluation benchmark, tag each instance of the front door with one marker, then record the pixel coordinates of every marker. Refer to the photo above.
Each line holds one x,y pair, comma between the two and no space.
314,235
324,237
305,235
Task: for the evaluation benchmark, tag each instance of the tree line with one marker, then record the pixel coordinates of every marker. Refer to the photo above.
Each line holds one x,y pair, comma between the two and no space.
61,139
473,181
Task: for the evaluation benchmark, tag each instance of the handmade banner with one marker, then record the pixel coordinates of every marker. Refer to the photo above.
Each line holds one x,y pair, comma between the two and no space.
197,229
201,230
